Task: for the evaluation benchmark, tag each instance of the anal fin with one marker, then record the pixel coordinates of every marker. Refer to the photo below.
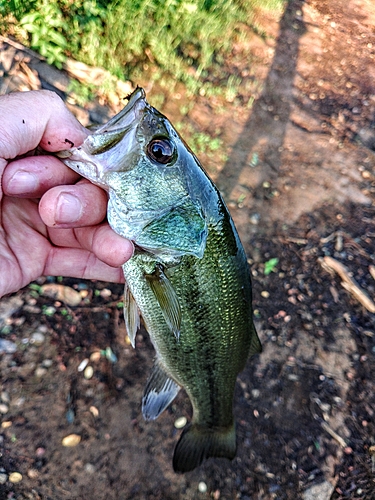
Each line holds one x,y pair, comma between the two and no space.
159,392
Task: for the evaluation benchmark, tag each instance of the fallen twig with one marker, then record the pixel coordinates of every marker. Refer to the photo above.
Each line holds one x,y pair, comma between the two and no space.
334,434
330,264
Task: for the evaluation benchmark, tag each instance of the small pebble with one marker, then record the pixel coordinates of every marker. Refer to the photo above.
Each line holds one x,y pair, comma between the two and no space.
94,411
39,452
5,398
89,468
7,346
95,356
202,487
105,293
88,373
33,473
40,371
83,365
110,355
71,440
37,338
3,478
47,363
70,416
265,294
6,424
180,422
15,477
4,408
255,393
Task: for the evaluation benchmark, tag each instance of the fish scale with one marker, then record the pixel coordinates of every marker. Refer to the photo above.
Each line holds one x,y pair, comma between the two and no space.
188,278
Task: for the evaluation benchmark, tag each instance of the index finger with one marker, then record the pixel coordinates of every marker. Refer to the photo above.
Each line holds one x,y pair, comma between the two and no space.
33,118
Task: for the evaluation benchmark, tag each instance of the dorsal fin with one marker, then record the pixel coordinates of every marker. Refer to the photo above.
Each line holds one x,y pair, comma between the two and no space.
159,392
167,299
131,315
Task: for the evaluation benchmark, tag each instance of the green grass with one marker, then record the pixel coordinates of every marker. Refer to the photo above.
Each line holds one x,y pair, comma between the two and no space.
183,39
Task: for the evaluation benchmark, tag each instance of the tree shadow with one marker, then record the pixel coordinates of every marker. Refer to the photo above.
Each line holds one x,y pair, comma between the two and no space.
266,125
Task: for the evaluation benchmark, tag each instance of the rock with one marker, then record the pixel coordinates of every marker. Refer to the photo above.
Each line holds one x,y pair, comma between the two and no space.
323,491
33,473
3,478
83,364
180,422
8,307
95,356
71,440
89,468
60,292
40,372
47,363
88,373
37,338
15,477
4,396
94,411
3,408
202,487
7,347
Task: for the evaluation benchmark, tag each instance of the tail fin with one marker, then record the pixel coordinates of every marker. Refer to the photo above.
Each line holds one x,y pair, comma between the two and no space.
198,442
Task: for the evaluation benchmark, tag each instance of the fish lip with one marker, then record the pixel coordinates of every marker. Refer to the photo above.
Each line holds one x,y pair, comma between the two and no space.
128,116
136,95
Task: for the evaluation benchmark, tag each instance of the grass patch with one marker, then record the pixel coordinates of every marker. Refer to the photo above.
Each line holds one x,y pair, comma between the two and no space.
185,39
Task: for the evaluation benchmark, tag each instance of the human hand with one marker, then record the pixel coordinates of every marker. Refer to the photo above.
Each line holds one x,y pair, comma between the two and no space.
51,220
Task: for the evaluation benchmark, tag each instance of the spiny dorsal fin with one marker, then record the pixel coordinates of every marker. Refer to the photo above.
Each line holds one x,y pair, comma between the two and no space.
159,392
198,442
131,315
167,298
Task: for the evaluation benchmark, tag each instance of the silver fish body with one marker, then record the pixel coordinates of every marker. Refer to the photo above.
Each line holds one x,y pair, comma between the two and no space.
188,278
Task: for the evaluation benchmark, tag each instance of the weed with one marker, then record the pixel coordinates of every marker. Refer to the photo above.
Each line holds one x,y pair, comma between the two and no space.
186,39
270,266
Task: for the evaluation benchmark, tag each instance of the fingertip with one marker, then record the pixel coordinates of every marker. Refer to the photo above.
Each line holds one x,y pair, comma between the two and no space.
111,248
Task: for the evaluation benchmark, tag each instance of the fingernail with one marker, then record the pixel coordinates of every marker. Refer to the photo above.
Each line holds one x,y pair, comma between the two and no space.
23,182
68,208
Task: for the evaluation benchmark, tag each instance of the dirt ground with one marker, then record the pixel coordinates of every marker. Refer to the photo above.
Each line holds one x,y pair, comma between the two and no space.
300,183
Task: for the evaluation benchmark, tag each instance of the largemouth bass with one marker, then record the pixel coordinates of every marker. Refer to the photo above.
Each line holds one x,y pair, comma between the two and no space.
188,278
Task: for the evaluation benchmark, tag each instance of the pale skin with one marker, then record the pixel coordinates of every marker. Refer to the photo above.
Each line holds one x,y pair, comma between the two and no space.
52,222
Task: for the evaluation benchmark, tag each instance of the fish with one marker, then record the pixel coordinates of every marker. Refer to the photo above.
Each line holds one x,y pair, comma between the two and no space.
189,277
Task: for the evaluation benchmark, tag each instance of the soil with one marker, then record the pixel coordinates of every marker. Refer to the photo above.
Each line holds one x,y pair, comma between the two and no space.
300,183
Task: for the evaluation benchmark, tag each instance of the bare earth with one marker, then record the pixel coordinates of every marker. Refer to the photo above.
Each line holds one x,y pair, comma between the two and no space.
300,183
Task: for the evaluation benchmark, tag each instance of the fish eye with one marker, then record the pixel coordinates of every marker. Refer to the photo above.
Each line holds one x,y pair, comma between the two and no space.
160,150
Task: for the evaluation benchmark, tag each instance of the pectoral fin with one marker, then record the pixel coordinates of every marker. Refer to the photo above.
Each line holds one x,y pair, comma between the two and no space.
167,299
159,392
131,315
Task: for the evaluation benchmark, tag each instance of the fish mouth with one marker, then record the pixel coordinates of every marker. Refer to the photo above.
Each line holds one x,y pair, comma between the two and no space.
135,96
129,115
